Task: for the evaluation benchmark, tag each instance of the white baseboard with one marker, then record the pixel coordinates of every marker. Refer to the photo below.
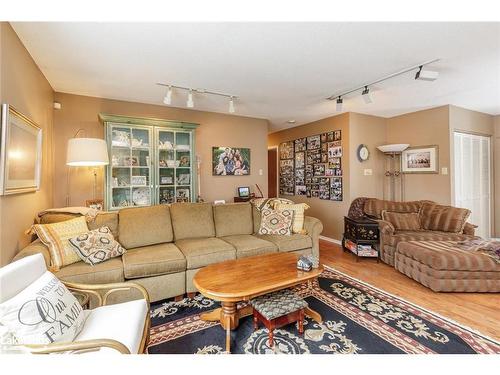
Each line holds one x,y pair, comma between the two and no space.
329,239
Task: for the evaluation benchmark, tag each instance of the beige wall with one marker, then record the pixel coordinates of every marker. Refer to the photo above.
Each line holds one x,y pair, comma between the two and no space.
215,130
23,86
371,131
331,213
496,163
422,128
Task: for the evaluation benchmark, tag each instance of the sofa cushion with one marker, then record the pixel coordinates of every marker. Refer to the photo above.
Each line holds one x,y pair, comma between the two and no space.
105,219
96,246
233,219
153,260
143,226
248,245
257,217
192,220
110,271
200,252
289,243
402,220
374,207
443,218
424,235
443,255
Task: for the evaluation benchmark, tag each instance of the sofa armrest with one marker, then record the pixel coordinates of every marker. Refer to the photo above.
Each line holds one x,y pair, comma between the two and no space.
469,229
386,228
36,247
314,227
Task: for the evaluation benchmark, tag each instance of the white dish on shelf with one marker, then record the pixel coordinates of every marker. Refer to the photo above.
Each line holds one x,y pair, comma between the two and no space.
397,147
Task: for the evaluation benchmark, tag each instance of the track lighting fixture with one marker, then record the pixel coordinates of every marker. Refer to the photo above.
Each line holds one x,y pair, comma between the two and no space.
424,75
231,105
366,95
339,104
168,96
190,101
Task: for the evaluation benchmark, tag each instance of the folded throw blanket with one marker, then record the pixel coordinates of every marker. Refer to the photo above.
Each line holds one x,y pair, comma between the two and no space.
487,247
89,213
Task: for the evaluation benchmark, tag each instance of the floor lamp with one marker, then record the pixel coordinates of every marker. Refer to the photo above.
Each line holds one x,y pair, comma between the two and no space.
393,153
86,152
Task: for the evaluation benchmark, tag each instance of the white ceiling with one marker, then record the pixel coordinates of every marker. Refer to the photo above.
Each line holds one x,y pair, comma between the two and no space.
280,71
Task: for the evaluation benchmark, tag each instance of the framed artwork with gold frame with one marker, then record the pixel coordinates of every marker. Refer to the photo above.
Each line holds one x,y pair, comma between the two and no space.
20,153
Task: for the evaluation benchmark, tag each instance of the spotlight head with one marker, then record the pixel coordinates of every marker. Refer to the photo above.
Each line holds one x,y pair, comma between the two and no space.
231,105
366,95
190,102
168,96
426,75
339,104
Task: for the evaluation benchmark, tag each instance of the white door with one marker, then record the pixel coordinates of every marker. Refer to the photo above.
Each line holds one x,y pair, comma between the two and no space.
473,179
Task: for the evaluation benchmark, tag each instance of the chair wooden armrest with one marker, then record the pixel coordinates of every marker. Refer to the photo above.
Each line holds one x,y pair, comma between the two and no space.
108,289
78,347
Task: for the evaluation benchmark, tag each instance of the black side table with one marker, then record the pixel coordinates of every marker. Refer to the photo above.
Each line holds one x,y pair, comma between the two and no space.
361,232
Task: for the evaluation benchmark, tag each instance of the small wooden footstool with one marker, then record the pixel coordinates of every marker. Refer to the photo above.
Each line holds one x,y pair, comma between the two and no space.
277,309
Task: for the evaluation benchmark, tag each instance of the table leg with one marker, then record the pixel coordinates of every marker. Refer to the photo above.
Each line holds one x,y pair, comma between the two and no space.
229,315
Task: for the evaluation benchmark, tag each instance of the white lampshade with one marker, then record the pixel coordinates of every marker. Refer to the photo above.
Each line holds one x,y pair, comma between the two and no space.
87,152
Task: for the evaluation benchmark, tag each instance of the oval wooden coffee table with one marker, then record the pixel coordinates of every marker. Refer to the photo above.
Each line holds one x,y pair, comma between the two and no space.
243,279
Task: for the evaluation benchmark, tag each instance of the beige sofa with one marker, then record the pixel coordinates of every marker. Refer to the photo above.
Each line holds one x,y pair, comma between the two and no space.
167,245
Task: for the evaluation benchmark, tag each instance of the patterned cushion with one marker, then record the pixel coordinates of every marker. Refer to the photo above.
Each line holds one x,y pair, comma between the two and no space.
298,215
276,222
374,207
96,246
443,218
274,305
56,237
402,220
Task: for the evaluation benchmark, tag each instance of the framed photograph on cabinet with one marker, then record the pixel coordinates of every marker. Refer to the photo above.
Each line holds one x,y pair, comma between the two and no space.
423,159
20,153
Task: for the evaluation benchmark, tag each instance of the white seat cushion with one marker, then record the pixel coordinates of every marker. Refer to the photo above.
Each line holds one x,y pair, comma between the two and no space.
123,322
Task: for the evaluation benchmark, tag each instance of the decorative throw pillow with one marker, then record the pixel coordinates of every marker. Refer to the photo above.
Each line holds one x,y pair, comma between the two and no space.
443,218
298,215
276,222
402,220
96,246
56,237
43,313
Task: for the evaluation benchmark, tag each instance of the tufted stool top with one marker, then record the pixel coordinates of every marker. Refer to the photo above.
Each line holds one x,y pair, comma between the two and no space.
276,304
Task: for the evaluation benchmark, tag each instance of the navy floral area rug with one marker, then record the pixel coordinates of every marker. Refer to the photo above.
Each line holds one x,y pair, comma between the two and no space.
357,319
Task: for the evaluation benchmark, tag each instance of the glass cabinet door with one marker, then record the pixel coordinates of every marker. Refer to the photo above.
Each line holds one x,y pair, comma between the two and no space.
183,164
173,166
130,169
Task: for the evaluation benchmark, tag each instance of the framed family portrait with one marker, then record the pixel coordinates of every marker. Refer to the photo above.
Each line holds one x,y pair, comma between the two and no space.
423,159
230,161
20,153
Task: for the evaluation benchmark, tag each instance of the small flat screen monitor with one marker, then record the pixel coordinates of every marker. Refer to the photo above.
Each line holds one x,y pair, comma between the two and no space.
243,191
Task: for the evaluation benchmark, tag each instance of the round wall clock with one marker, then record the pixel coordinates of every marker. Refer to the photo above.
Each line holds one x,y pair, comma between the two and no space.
363,153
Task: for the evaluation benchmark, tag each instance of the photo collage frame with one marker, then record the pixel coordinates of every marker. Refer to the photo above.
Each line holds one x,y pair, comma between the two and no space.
312,166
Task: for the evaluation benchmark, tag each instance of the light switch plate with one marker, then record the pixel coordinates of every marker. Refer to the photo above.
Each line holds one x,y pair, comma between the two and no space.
368,172
444,170
260,172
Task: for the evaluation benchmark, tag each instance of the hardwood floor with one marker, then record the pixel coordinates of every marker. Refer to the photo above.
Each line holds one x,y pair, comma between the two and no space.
479,311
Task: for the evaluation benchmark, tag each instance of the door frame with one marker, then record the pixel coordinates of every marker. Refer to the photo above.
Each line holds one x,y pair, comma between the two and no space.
277,169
